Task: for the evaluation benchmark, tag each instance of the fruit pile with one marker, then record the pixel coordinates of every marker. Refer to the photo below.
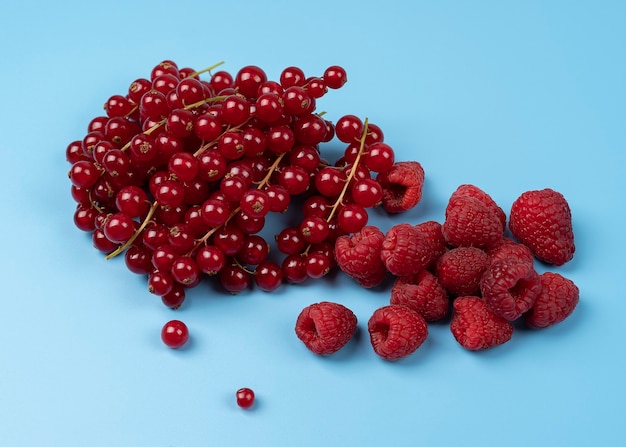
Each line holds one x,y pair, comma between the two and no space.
180,173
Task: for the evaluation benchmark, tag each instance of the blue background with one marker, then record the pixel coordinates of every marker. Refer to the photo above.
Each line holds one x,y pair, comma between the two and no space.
509,96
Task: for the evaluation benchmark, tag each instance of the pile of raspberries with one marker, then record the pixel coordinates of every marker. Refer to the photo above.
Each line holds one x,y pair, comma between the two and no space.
465,270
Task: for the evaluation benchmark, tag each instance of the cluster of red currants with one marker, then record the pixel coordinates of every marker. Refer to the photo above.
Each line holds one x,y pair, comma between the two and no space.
180,173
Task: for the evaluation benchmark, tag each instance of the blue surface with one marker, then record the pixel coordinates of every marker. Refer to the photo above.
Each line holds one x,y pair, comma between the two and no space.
509,96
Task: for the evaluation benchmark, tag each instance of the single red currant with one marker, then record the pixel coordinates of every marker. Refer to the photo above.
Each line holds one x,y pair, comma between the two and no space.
245,397
175,334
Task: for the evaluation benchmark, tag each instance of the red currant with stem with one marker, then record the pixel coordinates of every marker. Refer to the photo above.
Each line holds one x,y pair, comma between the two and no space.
137,89
190,91
163,257
296,101
348,128
175,334
330,181
280,139
181,238
305,156
310,129
316,205
231,145
247,224
245,398
229,239
316,87
154,235
221,80
170,193
164,67
254,251
165,83
119,228
212,165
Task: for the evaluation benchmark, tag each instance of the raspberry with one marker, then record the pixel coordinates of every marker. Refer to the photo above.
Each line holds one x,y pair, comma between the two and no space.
469,222
459,270
325,327
542,220
404,251
556,301
402,186
358,256
435,244
477,193
508,248
396,331
476,327
510,287
423,293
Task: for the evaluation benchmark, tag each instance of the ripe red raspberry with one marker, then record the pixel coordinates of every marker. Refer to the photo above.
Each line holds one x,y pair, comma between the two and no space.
402,186
542,220
459,270
325,327
396,331
358,256
508,248
556,301
423,293
510,287
477,193
404,250
469,222
476,327
435,245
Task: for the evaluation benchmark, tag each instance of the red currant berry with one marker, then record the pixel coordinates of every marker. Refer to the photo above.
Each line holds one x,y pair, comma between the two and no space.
180,122
254,251
185,270
138,259
316,205
352,218
234,279
102,243
268,276
190,91
366,192
184,166
317,264
164,67
154,235
255,203
245,397
269,107
175,298
160,283
294,179
247,224
84,174
349,128
229,239
235,110
294,269
290,241
249,79
170,193
297,101
163,257
119,228
310,129
335,77
132,200
207,127
292,76
280,139
329,181
210,259
175,334
314,229
137,89
379,157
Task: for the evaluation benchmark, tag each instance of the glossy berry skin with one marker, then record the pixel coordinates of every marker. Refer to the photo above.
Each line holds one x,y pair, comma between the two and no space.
245,398
174,334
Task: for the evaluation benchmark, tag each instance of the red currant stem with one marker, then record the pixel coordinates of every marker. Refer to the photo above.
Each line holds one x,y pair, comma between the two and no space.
242,267
133,110
129,242
270,171
205,70
351,173
205,146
